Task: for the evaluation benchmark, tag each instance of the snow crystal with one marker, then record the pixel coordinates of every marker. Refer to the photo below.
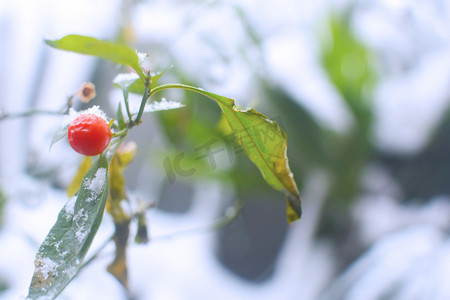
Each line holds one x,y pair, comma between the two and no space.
80,220
69,207
73,114
96,111
81,234
144,61
141,56
124,80
95,186
45,266
163,105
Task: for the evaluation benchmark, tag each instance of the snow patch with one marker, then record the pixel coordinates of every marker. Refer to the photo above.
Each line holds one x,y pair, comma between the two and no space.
73,114
124,80
45,267
69,207
95,186
98,182
163,105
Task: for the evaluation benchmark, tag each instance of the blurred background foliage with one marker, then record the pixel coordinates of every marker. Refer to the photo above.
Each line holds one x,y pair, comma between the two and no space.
192,144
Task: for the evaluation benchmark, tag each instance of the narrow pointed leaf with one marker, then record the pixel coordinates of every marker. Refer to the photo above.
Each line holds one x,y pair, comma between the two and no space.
60,133
116,53
63,250
263,141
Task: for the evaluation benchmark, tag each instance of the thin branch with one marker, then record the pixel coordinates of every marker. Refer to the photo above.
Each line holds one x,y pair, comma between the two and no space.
31,113
145,98
230,215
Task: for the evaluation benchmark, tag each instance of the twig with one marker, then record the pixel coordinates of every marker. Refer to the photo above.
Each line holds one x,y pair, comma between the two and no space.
230,215
4,116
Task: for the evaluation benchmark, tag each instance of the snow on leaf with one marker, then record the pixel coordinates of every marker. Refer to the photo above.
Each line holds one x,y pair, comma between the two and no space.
63,250
163,105
124,80
69,207
96,184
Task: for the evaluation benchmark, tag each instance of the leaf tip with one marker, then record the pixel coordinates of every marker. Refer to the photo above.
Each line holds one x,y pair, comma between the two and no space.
293,208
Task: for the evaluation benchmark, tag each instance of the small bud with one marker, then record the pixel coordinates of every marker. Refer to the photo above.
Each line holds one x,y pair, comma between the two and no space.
87,92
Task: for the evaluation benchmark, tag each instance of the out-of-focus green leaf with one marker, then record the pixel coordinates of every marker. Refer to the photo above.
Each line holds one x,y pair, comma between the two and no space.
117,193
116,53
306,135
84,167
118,268
124,155
63,250
263,141
349,64
60,133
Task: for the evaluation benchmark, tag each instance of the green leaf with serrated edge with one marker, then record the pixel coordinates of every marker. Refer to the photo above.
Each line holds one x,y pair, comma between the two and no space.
60,133
116,53
63,250
263,141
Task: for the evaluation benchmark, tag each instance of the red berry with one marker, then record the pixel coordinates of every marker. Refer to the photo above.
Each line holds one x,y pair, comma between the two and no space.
89,134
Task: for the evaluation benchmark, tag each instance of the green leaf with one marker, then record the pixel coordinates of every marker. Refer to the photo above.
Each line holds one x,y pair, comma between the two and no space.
138,86
263,141
116,53
349,64
63,250
60,133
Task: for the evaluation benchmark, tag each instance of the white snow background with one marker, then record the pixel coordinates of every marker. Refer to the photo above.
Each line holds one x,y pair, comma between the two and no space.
408,106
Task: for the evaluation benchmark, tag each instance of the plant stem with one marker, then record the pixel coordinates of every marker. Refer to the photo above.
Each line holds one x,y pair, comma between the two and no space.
177,86
145,97
30,113
223,221
120,133
127,105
